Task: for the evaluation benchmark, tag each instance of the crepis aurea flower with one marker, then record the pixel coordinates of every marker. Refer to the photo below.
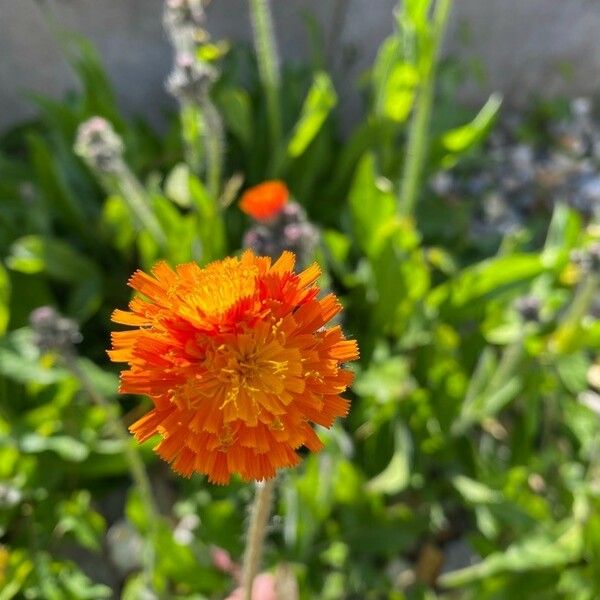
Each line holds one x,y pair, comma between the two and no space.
238,362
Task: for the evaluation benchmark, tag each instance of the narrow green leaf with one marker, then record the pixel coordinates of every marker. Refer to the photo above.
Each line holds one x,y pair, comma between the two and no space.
475,492
464,137
373,208
396,476
319,102
551,549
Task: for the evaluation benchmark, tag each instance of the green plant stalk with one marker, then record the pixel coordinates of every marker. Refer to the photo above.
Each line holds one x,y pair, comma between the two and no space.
268,66
193,127
134,461
259,517
417,147
134,194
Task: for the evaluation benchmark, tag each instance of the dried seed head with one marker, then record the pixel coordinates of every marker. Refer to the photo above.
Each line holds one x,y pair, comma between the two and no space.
99,146
190,80
53,332
184,13
184,21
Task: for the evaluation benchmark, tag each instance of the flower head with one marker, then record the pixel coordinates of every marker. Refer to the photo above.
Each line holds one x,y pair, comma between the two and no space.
99,145
53,332
265,201
238,362
191,79
289,230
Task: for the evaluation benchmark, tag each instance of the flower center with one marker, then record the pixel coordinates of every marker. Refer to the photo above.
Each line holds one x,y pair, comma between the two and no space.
249,377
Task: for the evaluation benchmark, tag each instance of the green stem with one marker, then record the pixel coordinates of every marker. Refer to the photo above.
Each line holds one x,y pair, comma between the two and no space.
268,66
416,152
135,195
193,128
134,461
259,517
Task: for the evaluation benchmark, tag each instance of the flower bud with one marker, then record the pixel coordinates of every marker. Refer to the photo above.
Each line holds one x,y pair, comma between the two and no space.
184,20
53,332
190,80
289,230
99,146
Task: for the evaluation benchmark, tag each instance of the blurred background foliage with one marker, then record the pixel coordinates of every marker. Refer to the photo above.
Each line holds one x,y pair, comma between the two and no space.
465,249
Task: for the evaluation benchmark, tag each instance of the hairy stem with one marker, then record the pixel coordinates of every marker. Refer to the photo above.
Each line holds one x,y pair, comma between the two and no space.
259,517
268,66
135,195
194,129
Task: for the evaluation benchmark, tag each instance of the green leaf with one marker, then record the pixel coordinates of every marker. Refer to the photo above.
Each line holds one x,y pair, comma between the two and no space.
573,369
76,516
117,221
372,205
563,232
554,548
136,511
35,254
15,574
487,404
396,476
486,278
319,102
475,492
66,447
20,360
236,107
402,279
461,139
104,382
395,81
177,185
98,94
59,197
386,381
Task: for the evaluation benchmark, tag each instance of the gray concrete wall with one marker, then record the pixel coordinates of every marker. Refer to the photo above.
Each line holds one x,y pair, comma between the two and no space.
527,47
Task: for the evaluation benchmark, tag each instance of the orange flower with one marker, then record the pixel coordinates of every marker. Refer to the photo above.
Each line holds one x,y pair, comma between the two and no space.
237,361
265,201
